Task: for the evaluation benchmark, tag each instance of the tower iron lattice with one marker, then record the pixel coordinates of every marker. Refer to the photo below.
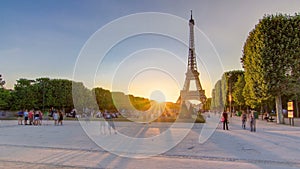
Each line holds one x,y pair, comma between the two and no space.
192,74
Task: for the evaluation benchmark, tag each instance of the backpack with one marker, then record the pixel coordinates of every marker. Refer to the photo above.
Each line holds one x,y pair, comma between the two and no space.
244,116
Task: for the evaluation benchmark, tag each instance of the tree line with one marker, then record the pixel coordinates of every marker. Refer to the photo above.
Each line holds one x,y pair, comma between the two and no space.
44,93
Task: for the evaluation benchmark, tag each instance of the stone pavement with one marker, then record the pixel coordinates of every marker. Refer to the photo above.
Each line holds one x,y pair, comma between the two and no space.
296,121
48,146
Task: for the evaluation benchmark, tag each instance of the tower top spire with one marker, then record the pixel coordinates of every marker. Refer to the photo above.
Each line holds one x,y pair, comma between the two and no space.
192,20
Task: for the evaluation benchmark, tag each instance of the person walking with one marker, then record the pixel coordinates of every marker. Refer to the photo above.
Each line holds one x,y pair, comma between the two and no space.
30,117
36,118
225,120
244,119
55,118
60,118
20,117
252,122
111,124
104,127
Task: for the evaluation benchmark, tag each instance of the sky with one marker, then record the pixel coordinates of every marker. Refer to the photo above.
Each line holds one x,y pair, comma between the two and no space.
50,39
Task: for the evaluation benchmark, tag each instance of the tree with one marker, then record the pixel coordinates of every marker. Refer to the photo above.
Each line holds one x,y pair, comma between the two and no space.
24,95
218,100
237,93
5,98
223,90
270,51
230,78
207,104
42,93
104,99
213,100
83,97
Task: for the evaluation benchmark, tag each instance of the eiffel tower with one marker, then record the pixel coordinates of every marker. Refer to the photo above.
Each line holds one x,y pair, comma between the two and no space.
192,74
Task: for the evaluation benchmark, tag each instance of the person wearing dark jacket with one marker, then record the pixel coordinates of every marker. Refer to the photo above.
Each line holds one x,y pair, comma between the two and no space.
60,118
225,120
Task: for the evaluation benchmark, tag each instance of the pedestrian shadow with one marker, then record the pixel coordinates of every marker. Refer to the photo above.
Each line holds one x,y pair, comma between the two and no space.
113,161
252,147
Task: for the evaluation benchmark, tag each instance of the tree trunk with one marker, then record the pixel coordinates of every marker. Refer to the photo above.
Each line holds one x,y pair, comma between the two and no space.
279,109
297,108
261,112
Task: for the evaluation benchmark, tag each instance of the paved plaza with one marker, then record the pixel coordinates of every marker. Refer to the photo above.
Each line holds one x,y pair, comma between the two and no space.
68,146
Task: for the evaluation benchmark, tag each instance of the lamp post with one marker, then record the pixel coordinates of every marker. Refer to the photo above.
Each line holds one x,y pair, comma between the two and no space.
2,83
296,101
288,73
43,97
230,95
230,98
44,83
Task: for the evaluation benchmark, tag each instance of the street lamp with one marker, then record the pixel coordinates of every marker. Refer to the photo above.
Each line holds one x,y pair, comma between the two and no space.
230,99
230,94
43,97
294,80
288,73
44,85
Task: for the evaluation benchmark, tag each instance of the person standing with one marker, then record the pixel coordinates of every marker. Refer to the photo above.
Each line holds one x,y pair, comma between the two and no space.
36,118
252,122
244,119
225,120
40,117
55,117
25,117
104,127
111,124
20,117
74,113
60,118
30,117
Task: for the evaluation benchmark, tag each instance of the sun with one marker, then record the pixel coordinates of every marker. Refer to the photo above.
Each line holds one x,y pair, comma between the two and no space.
158,96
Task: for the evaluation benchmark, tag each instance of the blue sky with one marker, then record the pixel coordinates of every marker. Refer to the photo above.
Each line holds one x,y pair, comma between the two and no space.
44,38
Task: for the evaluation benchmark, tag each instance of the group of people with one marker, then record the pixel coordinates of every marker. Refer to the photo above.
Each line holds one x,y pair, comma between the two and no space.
107,124
244,118
35,117
57,116
30,117
252,121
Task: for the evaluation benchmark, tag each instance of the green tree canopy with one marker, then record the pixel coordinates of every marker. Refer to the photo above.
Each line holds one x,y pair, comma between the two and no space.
271,50
5,98
237,93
